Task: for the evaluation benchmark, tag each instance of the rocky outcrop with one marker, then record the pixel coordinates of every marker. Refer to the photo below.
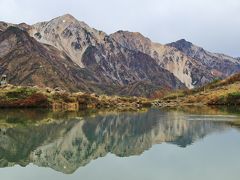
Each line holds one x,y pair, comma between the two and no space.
78,57
95,50
28,62
67,34
219,65
4,26
186,69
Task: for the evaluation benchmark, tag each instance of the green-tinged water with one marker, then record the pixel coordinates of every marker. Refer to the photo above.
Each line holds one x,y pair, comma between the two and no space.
183,144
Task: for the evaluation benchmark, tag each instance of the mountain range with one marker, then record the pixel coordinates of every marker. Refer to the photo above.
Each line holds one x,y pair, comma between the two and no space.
67,53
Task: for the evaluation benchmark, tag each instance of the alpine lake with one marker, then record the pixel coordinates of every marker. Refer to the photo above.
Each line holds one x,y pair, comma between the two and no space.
182,143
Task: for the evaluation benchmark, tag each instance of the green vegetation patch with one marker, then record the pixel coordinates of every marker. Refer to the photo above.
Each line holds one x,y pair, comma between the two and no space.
20,93
233,98
174,95
228,99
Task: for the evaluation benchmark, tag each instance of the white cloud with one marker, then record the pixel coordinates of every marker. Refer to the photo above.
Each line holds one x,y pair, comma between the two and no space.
213,24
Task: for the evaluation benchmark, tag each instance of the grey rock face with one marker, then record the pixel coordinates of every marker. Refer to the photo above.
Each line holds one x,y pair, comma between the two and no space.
185,68
219,65
98,59
114,64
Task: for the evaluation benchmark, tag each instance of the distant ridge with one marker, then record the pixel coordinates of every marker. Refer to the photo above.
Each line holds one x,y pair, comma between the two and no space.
76,57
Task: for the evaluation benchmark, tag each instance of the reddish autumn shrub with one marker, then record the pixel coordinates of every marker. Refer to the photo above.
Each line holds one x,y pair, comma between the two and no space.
35,100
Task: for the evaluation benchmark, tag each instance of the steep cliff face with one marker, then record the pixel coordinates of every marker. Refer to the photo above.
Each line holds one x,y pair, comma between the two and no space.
67,53
27,62
219,65
98,52
93,60
186,69
67,34
4,26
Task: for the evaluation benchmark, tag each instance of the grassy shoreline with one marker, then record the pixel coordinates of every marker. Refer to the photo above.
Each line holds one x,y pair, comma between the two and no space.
217,93
59,100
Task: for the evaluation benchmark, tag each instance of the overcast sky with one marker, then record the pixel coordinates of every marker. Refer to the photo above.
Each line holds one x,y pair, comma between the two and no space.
212,24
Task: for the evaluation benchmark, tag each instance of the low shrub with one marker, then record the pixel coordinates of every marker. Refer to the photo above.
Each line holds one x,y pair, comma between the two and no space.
35,100
20,93
233,98
229,99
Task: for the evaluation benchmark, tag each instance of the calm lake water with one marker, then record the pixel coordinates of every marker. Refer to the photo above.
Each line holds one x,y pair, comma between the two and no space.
183,144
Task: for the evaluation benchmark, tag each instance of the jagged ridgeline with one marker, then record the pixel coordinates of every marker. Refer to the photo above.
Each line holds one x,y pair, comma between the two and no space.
67,53
67,141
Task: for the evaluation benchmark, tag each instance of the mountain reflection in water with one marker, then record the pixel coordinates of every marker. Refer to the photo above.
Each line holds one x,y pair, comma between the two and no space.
67,141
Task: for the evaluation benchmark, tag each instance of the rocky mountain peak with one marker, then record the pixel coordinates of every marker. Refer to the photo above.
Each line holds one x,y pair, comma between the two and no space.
91,58
183,43
220,65
3,26
66,19
132,40
14,30
13,35
24,26
68,16
16,42
167,57
83,57
67,34
129,34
